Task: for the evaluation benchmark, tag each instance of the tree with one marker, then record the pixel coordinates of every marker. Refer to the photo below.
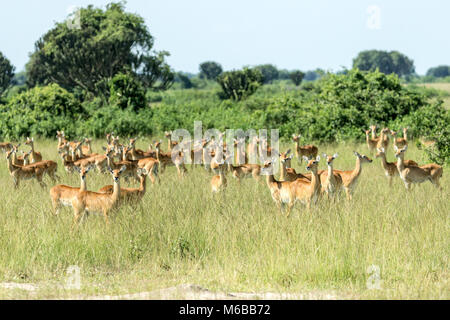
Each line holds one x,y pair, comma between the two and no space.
108,42
186,83
386,62
439,71
269,72
239,84
210,70
297,77
6,74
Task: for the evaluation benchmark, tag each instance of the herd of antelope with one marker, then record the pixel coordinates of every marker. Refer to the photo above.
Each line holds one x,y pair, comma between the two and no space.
128,162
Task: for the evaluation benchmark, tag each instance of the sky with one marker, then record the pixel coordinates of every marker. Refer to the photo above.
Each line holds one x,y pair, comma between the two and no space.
291,34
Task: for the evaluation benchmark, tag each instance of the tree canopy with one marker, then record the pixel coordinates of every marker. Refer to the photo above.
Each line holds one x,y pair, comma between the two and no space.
439,71
386,62
210,70
269,72
107,43
297,77
6,74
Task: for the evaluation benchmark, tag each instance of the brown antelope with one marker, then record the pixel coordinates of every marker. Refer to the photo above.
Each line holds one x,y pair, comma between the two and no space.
130,166
390,168
371,142
219,182
244,170
5,146
93,202
373,129
400,142
331,181
131,195
350,177
417,174
171,144
35,156
87,149
241,156
19,161
309,151
63,195
19,173
288,192
383,141
151,165
61,139
286,172
165,159
252,150
136,154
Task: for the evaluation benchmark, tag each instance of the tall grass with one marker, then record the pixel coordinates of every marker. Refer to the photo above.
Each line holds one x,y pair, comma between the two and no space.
235,241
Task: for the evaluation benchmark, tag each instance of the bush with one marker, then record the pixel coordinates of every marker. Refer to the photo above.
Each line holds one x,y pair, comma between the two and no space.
127,93
239,84
40,111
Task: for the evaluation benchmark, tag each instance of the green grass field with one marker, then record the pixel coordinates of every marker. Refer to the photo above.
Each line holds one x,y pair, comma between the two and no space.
236,241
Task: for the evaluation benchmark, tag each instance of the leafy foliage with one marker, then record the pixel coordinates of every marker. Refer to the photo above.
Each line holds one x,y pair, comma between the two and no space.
439,72
6,74
297,77
386,62
109,42
269,72
239,84
127,93
210,70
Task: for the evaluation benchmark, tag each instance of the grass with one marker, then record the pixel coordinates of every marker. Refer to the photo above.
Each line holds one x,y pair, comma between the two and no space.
236,241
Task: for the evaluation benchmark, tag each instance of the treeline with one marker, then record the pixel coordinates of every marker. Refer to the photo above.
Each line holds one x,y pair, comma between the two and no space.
105,76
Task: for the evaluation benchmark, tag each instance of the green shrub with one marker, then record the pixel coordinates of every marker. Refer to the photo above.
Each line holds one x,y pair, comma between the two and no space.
239,84
127,93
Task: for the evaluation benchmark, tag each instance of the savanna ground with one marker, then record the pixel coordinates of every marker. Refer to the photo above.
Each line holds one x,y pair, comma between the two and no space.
233,242
442,86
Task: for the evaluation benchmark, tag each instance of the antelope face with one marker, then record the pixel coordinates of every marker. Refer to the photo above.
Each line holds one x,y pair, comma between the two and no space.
400,153
29,141
116,173
87,140
168,134
362,157
393,133
330,159
295,138
313,164
284,156
9,153
373,128
133,142
367,132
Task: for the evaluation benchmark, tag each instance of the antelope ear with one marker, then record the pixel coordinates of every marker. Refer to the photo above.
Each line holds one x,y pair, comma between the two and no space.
382,150
305,158
290,158
124,167
395,148
318,158
335,155
110,170
324,155
405,148
289,151
77,169
357,154
104,148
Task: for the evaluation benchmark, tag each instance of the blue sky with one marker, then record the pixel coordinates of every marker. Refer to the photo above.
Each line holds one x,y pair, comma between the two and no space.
292,34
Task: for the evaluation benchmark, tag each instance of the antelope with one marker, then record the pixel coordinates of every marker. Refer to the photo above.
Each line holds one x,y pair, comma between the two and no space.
331,181
137,154
171,143
288,192
400,142
243,171
252,150
5,146
109,138
166,159
371,142
16,160
287,173
90,202
241,156
383,141
35,156
417,174
350,177
19,173
131,195
87,149
310,151
373,130
130,166
151,165
219,182
67,163
61,139
63,195
390,168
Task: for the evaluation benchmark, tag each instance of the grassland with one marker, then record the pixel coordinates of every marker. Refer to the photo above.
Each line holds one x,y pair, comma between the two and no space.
236,241
442,86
